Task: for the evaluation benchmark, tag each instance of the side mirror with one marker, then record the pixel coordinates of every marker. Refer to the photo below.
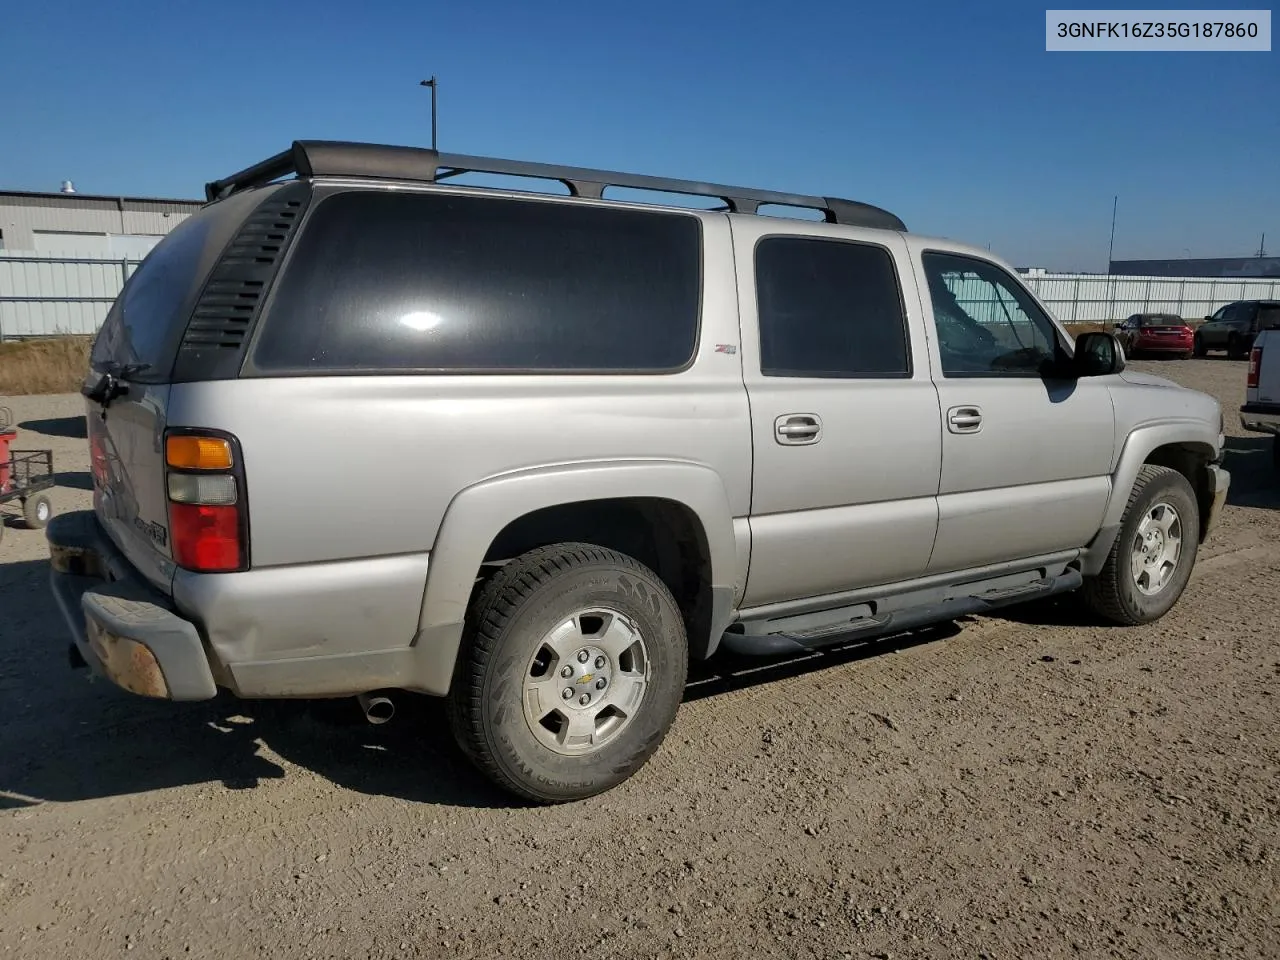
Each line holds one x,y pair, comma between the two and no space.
1098,354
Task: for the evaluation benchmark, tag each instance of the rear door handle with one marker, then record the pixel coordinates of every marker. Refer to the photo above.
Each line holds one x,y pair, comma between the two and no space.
964,419
794,429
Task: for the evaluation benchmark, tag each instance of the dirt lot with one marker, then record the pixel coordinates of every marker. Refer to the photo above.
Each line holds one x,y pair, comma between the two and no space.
1012,787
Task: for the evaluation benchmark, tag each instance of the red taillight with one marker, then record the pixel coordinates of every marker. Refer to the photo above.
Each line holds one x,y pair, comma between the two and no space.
206,539
205,481
1255,364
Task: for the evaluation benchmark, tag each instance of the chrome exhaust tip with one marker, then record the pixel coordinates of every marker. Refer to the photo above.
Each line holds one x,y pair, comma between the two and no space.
376,709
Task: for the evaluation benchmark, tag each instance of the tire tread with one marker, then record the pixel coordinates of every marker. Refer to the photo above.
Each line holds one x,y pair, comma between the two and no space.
1102,592
498,601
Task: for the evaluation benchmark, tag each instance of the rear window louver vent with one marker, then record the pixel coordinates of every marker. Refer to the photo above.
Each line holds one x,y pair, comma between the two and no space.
214,341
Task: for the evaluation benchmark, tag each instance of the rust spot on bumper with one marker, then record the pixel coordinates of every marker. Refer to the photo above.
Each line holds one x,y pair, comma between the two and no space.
127,663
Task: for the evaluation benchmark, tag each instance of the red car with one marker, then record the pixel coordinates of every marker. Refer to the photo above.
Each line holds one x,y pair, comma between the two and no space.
1161,333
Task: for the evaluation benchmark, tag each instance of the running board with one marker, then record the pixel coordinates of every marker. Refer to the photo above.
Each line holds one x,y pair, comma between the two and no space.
863,621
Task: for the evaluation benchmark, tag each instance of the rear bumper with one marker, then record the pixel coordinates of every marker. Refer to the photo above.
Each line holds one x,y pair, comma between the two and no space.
1260,417
121,626
1164,346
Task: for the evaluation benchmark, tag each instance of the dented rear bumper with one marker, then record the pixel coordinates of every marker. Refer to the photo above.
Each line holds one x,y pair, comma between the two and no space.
121,626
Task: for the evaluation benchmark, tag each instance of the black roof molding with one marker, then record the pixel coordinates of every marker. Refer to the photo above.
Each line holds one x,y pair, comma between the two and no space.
334,158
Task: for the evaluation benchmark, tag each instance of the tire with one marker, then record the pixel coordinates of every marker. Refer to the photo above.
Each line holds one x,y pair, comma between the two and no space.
36,511
1233,347
1198,349
525,633
1115,594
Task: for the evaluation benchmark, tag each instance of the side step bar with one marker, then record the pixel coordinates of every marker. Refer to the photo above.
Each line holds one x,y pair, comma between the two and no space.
863,621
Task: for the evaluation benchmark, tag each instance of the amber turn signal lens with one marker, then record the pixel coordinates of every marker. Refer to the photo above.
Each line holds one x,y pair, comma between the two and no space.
198,453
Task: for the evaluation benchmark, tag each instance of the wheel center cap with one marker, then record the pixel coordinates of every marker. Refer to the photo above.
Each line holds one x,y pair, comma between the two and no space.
586,676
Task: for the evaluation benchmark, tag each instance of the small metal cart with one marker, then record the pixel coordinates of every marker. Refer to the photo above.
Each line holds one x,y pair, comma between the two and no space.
24,475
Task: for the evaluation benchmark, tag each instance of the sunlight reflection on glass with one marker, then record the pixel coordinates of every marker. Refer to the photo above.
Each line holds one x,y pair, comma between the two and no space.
422,320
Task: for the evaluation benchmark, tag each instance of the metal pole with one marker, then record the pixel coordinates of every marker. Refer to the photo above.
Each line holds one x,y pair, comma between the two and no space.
1115,203
1111,286
432,83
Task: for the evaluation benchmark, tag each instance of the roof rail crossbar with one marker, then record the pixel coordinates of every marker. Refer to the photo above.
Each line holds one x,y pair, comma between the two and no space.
327,158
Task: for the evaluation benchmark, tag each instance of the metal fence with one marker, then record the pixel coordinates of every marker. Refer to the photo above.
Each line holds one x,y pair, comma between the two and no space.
43,294
1093,298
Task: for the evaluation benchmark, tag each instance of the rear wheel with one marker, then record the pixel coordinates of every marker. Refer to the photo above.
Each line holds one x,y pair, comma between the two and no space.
1234,349
36,511
1151,560
571,671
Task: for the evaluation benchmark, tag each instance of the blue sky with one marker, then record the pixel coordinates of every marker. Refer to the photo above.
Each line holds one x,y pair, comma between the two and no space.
955,118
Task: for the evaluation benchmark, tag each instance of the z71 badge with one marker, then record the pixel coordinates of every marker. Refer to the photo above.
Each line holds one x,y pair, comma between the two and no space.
152,531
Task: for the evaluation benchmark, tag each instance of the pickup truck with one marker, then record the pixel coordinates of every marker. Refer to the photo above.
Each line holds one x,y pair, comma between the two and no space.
1261,410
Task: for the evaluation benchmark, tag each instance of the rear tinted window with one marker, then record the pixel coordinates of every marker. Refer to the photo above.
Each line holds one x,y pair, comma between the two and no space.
829,308
141,325
394,281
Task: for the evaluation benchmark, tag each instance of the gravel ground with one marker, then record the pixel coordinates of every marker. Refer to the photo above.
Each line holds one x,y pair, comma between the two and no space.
1011,786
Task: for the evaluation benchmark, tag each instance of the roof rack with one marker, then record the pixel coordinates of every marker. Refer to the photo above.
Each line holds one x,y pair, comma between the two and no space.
335,158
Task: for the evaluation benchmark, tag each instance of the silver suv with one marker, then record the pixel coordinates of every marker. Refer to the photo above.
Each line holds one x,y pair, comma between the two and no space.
602,438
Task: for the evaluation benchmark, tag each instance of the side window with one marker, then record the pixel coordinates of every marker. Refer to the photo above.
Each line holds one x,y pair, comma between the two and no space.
141,322
987,324
1226,314
436,281
1268,317
829,308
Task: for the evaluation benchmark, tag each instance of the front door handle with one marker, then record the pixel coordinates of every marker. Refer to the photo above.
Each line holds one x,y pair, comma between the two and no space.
964,419
794,429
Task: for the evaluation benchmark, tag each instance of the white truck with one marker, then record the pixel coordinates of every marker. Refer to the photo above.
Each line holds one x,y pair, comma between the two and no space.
1261,410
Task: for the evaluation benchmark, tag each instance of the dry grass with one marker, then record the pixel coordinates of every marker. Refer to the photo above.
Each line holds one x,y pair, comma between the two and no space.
1075,329
53,365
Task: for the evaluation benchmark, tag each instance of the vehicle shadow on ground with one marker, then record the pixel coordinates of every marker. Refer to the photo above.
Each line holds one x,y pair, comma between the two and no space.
1255,476
74,479
69,738
73,427
66,737
726,672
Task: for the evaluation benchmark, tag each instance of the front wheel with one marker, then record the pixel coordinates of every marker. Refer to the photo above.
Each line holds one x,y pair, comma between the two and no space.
1151,560
571,671
1198,349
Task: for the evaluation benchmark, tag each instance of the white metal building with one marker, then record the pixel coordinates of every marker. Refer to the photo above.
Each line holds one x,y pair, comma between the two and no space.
85,225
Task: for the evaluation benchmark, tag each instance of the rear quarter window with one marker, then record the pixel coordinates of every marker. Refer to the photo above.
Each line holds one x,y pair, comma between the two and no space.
141,325
381,281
